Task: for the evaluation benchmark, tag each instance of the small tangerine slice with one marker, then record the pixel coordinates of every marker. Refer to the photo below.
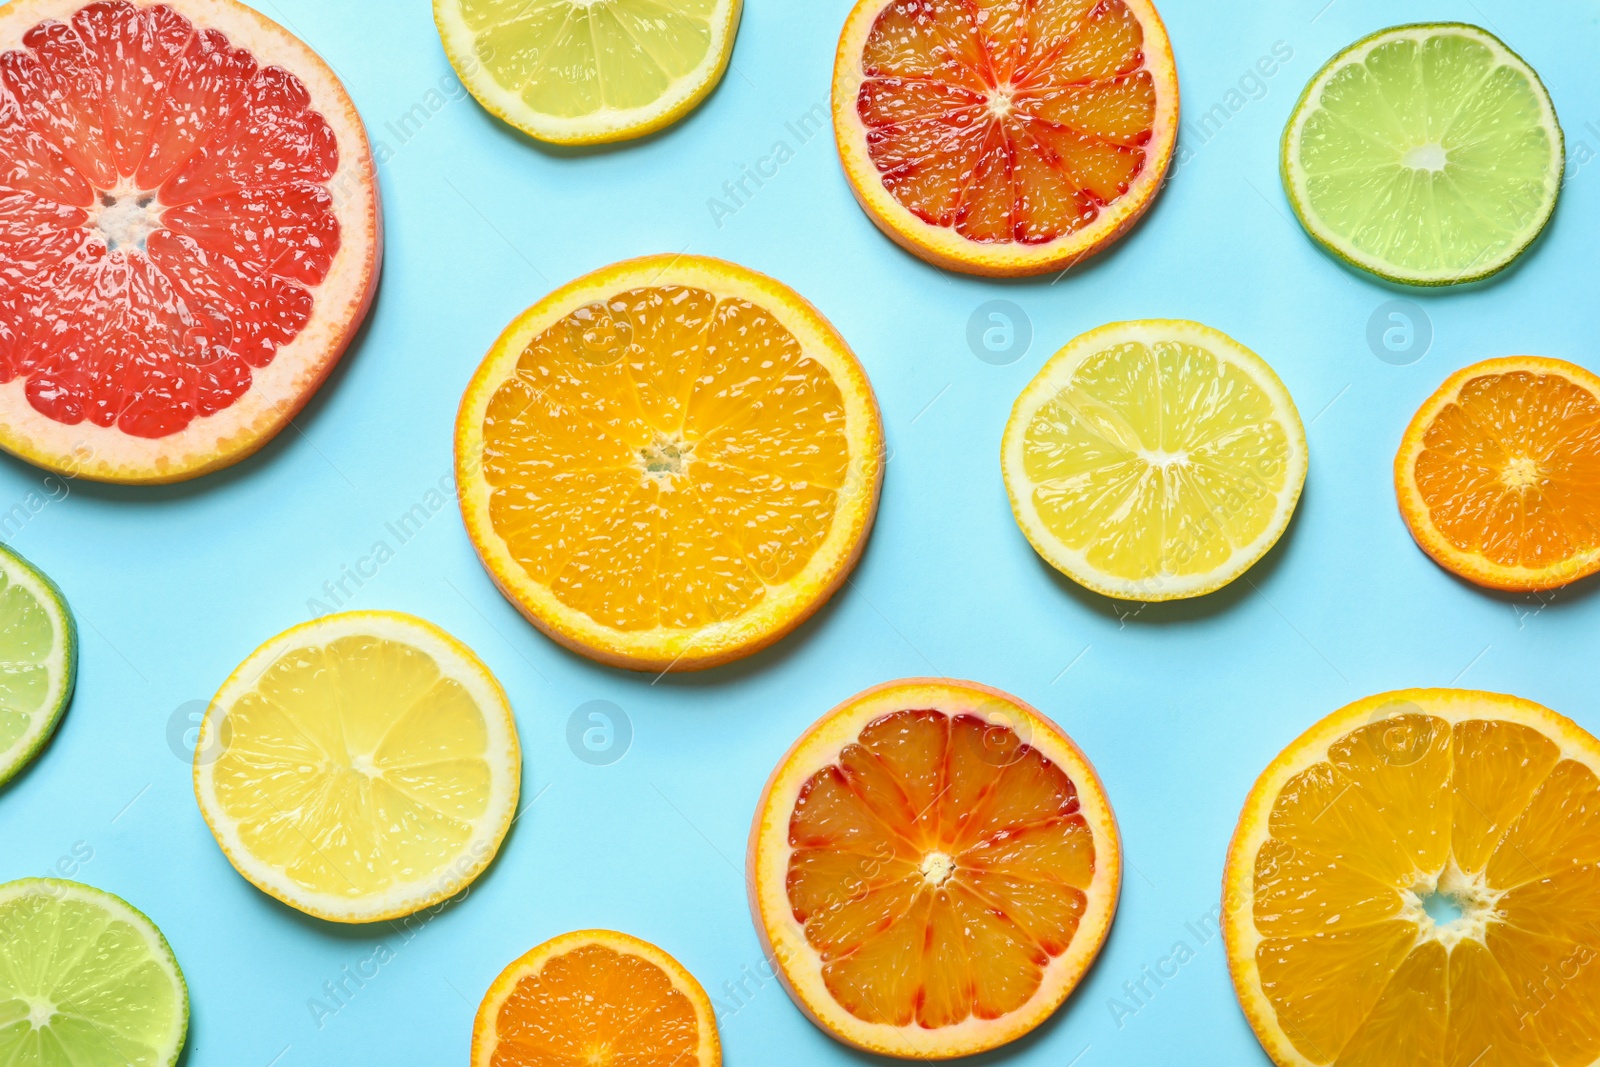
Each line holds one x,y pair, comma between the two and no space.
1498,475
597,998
933,867
1007,137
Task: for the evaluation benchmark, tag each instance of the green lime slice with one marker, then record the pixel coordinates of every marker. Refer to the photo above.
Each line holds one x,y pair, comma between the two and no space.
1428,155
85,981
38,662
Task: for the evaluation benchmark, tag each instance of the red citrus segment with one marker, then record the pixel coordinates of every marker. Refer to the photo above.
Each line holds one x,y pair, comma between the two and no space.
1007,121
939,864
166,195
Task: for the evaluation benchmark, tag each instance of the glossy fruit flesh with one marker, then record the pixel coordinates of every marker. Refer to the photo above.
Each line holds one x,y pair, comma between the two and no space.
1433,155
938,866
596,1006
29,647
163,213
1359,960
1510,470
1157,459
572,59
85,981
354,766
660,458
1011,121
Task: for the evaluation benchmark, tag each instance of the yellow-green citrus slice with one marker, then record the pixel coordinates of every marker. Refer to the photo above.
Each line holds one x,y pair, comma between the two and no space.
1154,460
360,767
1428,155
38,662
588,71
85,981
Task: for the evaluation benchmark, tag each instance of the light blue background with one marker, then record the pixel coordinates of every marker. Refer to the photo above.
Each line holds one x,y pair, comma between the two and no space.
1180,706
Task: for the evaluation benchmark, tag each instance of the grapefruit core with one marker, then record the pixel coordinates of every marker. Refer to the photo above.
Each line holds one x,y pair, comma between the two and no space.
189,229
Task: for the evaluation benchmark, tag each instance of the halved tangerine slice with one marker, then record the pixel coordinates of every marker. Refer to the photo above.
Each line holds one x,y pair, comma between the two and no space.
932,868
595,998
1416,880
669,463
1005,137
1498,475
189,221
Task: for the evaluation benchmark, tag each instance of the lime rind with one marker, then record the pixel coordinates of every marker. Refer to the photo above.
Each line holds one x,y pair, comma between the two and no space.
1297,181
61,663
166,1047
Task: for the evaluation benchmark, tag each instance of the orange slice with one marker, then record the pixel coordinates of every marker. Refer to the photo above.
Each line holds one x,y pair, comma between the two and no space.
670,463
1499,474
1005,137
597,999
933,867
190,229
1417,880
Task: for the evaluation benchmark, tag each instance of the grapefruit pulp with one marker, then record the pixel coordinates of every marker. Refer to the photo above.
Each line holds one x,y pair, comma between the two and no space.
189,220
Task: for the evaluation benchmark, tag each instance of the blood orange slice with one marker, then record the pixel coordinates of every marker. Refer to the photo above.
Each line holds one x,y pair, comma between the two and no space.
933,867
189,224
1005,137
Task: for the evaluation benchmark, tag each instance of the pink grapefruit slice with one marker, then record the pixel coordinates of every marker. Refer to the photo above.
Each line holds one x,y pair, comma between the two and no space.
189,229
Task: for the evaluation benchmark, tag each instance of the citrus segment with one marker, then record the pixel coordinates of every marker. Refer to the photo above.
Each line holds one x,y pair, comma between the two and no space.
38,661
669,463
1426,154
598,998
933,867
85,980
1005,138
1414,880
1498,475
189,207
360,767
1154,460
577,72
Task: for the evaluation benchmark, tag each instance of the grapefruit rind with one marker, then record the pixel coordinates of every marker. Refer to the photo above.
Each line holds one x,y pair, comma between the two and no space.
942,246
604,127
284,386
1240,936
503,754
783,940
1051,379
1294,178
159,951
485,1040
784,607
63,665
1473,566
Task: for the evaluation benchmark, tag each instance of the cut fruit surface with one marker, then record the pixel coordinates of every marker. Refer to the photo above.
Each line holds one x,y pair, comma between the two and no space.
596,998
85,980
38,661
1008,137
188,212
1429,155
1498,475
1417,880
670,463
1154,460
589,71
360,767
933,867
